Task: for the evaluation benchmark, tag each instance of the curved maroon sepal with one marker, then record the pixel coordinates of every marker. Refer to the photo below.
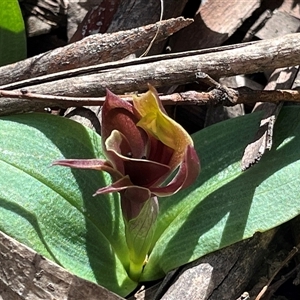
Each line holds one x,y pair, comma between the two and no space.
117,186
93,164
186,175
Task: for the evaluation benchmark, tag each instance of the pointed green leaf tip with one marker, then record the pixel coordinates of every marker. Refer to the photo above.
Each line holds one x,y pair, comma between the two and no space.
12,33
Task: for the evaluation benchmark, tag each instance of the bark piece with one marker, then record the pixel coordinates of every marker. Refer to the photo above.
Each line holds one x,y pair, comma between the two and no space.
215,22
133,13
258,24
77,9
26,275
292,7
36,27
279,24
97,20
85,117
41,16
296,84
76,12
221,275
282,78
94,49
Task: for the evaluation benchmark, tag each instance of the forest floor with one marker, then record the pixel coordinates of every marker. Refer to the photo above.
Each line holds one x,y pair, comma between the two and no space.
217,23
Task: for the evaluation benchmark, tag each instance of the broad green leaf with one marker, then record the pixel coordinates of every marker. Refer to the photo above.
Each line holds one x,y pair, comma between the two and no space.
12,33
226,205
51,209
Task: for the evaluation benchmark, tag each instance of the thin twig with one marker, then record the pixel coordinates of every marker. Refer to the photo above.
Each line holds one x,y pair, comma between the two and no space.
275,286
219,95
287,259
155,36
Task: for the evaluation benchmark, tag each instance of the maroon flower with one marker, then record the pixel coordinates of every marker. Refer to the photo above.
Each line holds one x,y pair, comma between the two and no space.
143,147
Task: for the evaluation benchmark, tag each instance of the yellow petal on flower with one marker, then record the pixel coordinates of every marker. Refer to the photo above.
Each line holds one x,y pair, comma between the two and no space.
157,123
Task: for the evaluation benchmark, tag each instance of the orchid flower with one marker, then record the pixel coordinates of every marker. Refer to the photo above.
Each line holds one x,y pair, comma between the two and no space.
143,147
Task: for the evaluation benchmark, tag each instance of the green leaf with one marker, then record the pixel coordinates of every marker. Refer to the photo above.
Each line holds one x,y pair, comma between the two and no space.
12,33
226,205
51,209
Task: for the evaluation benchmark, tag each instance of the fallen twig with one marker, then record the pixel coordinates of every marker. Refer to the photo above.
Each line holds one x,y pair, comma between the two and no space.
283,264
219,95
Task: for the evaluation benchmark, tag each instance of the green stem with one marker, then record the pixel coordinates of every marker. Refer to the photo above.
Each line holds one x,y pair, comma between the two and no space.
139,234
135,270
